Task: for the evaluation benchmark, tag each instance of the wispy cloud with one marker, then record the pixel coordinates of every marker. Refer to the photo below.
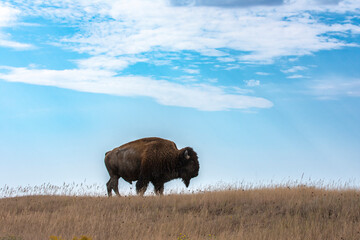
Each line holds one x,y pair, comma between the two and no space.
252,83
259,35
200,96
294,69
12,44
296,76
335,88
191,71
244,3
226,3
184,79
118,33
263,73
193,29
108,62
226,59
8,17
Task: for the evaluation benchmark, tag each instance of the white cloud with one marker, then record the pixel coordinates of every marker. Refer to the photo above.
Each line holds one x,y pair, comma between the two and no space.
118,33
108,62
200,96
11,44
229,67
8,17
294,69
263,73
226,3
258,35
252,83
296,76
191,71
177,29
293,59
241,90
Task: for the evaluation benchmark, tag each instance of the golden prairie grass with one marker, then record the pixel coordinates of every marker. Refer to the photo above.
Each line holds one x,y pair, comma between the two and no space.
279,213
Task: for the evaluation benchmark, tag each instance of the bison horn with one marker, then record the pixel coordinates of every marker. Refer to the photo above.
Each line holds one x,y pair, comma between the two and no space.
186,155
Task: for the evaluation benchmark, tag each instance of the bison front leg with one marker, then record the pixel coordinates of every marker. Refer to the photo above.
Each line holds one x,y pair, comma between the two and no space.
159,188
141,186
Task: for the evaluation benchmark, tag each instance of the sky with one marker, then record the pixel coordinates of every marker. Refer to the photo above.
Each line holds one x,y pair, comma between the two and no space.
264,91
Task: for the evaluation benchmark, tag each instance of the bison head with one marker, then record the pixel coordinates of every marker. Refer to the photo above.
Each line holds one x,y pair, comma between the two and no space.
189,165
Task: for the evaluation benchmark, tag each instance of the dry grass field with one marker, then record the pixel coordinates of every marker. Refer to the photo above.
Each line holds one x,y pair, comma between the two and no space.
277,213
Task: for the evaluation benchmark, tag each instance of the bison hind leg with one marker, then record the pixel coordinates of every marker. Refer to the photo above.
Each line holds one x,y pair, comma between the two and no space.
159,188
141,186
112,184
109,189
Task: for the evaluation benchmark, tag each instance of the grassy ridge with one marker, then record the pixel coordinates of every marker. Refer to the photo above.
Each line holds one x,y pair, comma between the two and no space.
269,213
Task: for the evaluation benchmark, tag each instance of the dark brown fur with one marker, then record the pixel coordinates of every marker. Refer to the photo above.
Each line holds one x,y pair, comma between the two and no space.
154,160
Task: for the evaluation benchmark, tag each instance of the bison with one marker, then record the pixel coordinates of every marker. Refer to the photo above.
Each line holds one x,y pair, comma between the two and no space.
154,160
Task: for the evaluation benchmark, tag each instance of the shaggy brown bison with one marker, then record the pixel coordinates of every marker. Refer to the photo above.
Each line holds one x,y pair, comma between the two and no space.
154,160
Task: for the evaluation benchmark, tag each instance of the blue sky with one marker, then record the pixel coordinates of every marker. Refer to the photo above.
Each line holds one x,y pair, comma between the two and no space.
262,90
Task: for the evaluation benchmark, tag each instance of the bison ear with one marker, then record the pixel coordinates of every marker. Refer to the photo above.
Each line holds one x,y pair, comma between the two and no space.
186,155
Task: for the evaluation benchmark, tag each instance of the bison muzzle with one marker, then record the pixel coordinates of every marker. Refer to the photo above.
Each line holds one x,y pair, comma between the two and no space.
154,160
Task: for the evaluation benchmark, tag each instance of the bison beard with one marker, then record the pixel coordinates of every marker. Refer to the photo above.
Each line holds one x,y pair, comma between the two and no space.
154,160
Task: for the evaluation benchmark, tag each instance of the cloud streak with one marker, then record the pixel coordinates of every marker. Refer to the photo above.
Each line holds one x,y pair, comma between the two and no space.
294,69
200,96
333,89
226,3
12,44
8,17
108,62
